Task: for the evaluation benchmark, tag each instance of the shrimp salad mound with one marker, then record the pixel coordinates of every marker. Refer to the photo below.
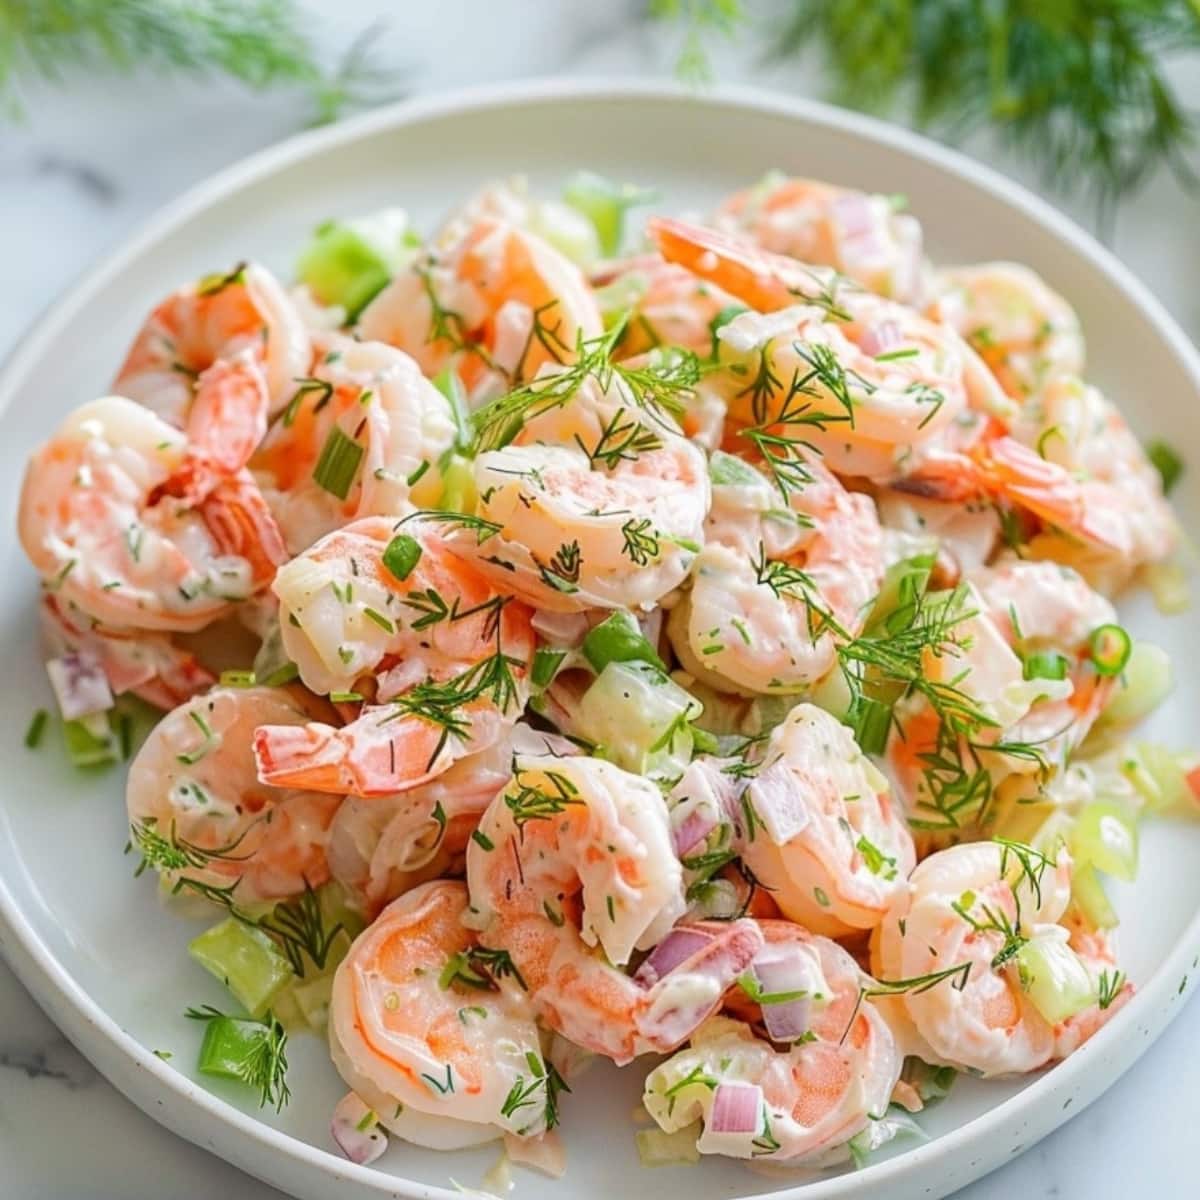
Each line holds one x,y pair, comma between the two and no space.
692,646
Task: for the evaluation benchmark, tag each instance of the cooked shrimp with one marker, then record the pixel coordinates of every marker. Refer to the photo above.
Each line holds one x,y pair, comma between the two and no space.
149,665
406,1033
90,527
777,582
820,830
1023,329
972,907
865,237
864,381
377,398
496,301
243,316
1002,616
579,517
571,871
803,1103
200,815
451,652
381,847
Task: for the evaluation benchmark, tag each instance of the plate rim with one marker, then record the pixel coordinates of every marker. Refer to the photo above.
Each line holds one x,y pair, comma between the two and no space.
214,1123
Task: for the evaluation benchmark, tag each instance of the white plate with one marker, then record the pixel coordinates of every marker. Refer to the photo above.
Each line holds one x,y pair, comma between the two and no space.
108,963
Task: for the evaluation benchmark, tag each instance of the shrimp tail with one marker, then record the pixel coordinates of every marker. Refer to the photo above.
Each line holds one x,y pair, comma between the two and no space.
237,515
383,752
672,1015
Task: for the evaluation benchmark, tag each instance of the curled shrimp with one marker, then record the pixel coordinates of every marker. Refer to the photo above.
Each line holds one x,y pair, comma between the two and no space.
199,814
819,828
443,655
969,909
373,395
148,665
799,1104
863,236
494,300
1023,329
1018,726
778,581
382,846
865,381
407,1035
572,870
90,523
598,502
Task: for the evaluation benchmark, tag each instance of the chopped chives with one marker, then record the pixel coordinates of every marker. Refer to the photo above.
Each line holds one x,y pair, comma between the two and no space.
402,555
237,679
545,665
338,464
417,474
37,726
373,615
345,697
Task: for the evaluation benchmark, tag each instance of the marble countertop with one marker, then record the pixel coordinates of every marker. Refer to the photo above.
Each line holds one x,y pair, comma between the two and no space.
87,166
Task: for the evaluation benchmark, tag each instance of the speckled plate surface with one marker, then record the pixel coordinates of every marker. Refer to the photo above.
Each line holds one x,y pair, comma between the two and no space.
108,962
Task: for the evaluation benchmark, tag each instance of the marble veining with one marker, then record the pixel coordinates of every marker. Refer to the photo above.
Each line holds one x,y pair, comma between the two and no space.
84,169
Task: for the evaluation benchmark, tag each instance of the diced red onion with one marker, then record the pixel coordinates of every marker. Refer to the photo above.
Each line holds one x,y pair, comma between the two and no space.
779,973
736,1108
677,947
779,803
359,1145
696,826
852,212
80,685
786,1022
879,338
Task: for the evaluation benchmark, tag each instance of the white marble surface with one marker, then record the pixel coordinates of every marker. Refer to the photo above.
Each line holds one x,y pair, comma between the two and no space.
84,170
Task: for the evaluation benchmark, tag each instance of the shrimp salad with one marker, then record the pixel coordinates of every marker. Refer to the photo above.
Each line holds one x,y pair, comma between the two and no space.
686,643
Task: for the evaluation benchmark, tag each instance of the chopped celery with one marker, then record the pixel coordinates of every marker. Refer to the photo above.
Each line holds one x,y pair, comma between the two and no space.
726,470
1144,684
252,1052
545,666
1056,981
1105,835
836,694
350,262
458,485
568,230
312,997
605,203
1160,777
90,741
657,1148
903,584
1090,898
619,638
640,718
245,959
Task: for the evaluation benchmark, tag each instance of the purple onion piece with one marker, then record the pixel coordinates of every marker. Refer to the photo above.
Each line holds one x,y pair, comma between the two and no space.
786,1022
736,1108
694,828
357,1132
677,947
80,685
780,803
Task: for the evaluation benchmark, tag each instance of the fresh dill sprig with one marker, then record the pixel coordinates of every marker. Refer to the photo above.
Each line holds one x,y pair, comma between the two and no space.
531,802
298,925
264,1065
701,19
544,1078
658,388
260,43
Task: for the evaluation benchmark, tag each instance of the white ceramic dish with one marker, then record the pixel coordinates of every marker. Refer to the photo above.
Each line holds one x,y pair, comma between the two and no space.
108,963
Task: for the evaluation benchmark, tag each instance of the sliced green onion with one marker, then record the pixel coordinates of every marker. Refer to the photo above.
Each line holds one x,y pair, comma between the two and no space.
1089,897
605,204
37,726
619,638
340,459
545,666
281,675
341,267
872,722
1106,837
1145,683
237,679
246,960
1111,647
1046,664
402,555
345,697
1056,981
1168,464
89,741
